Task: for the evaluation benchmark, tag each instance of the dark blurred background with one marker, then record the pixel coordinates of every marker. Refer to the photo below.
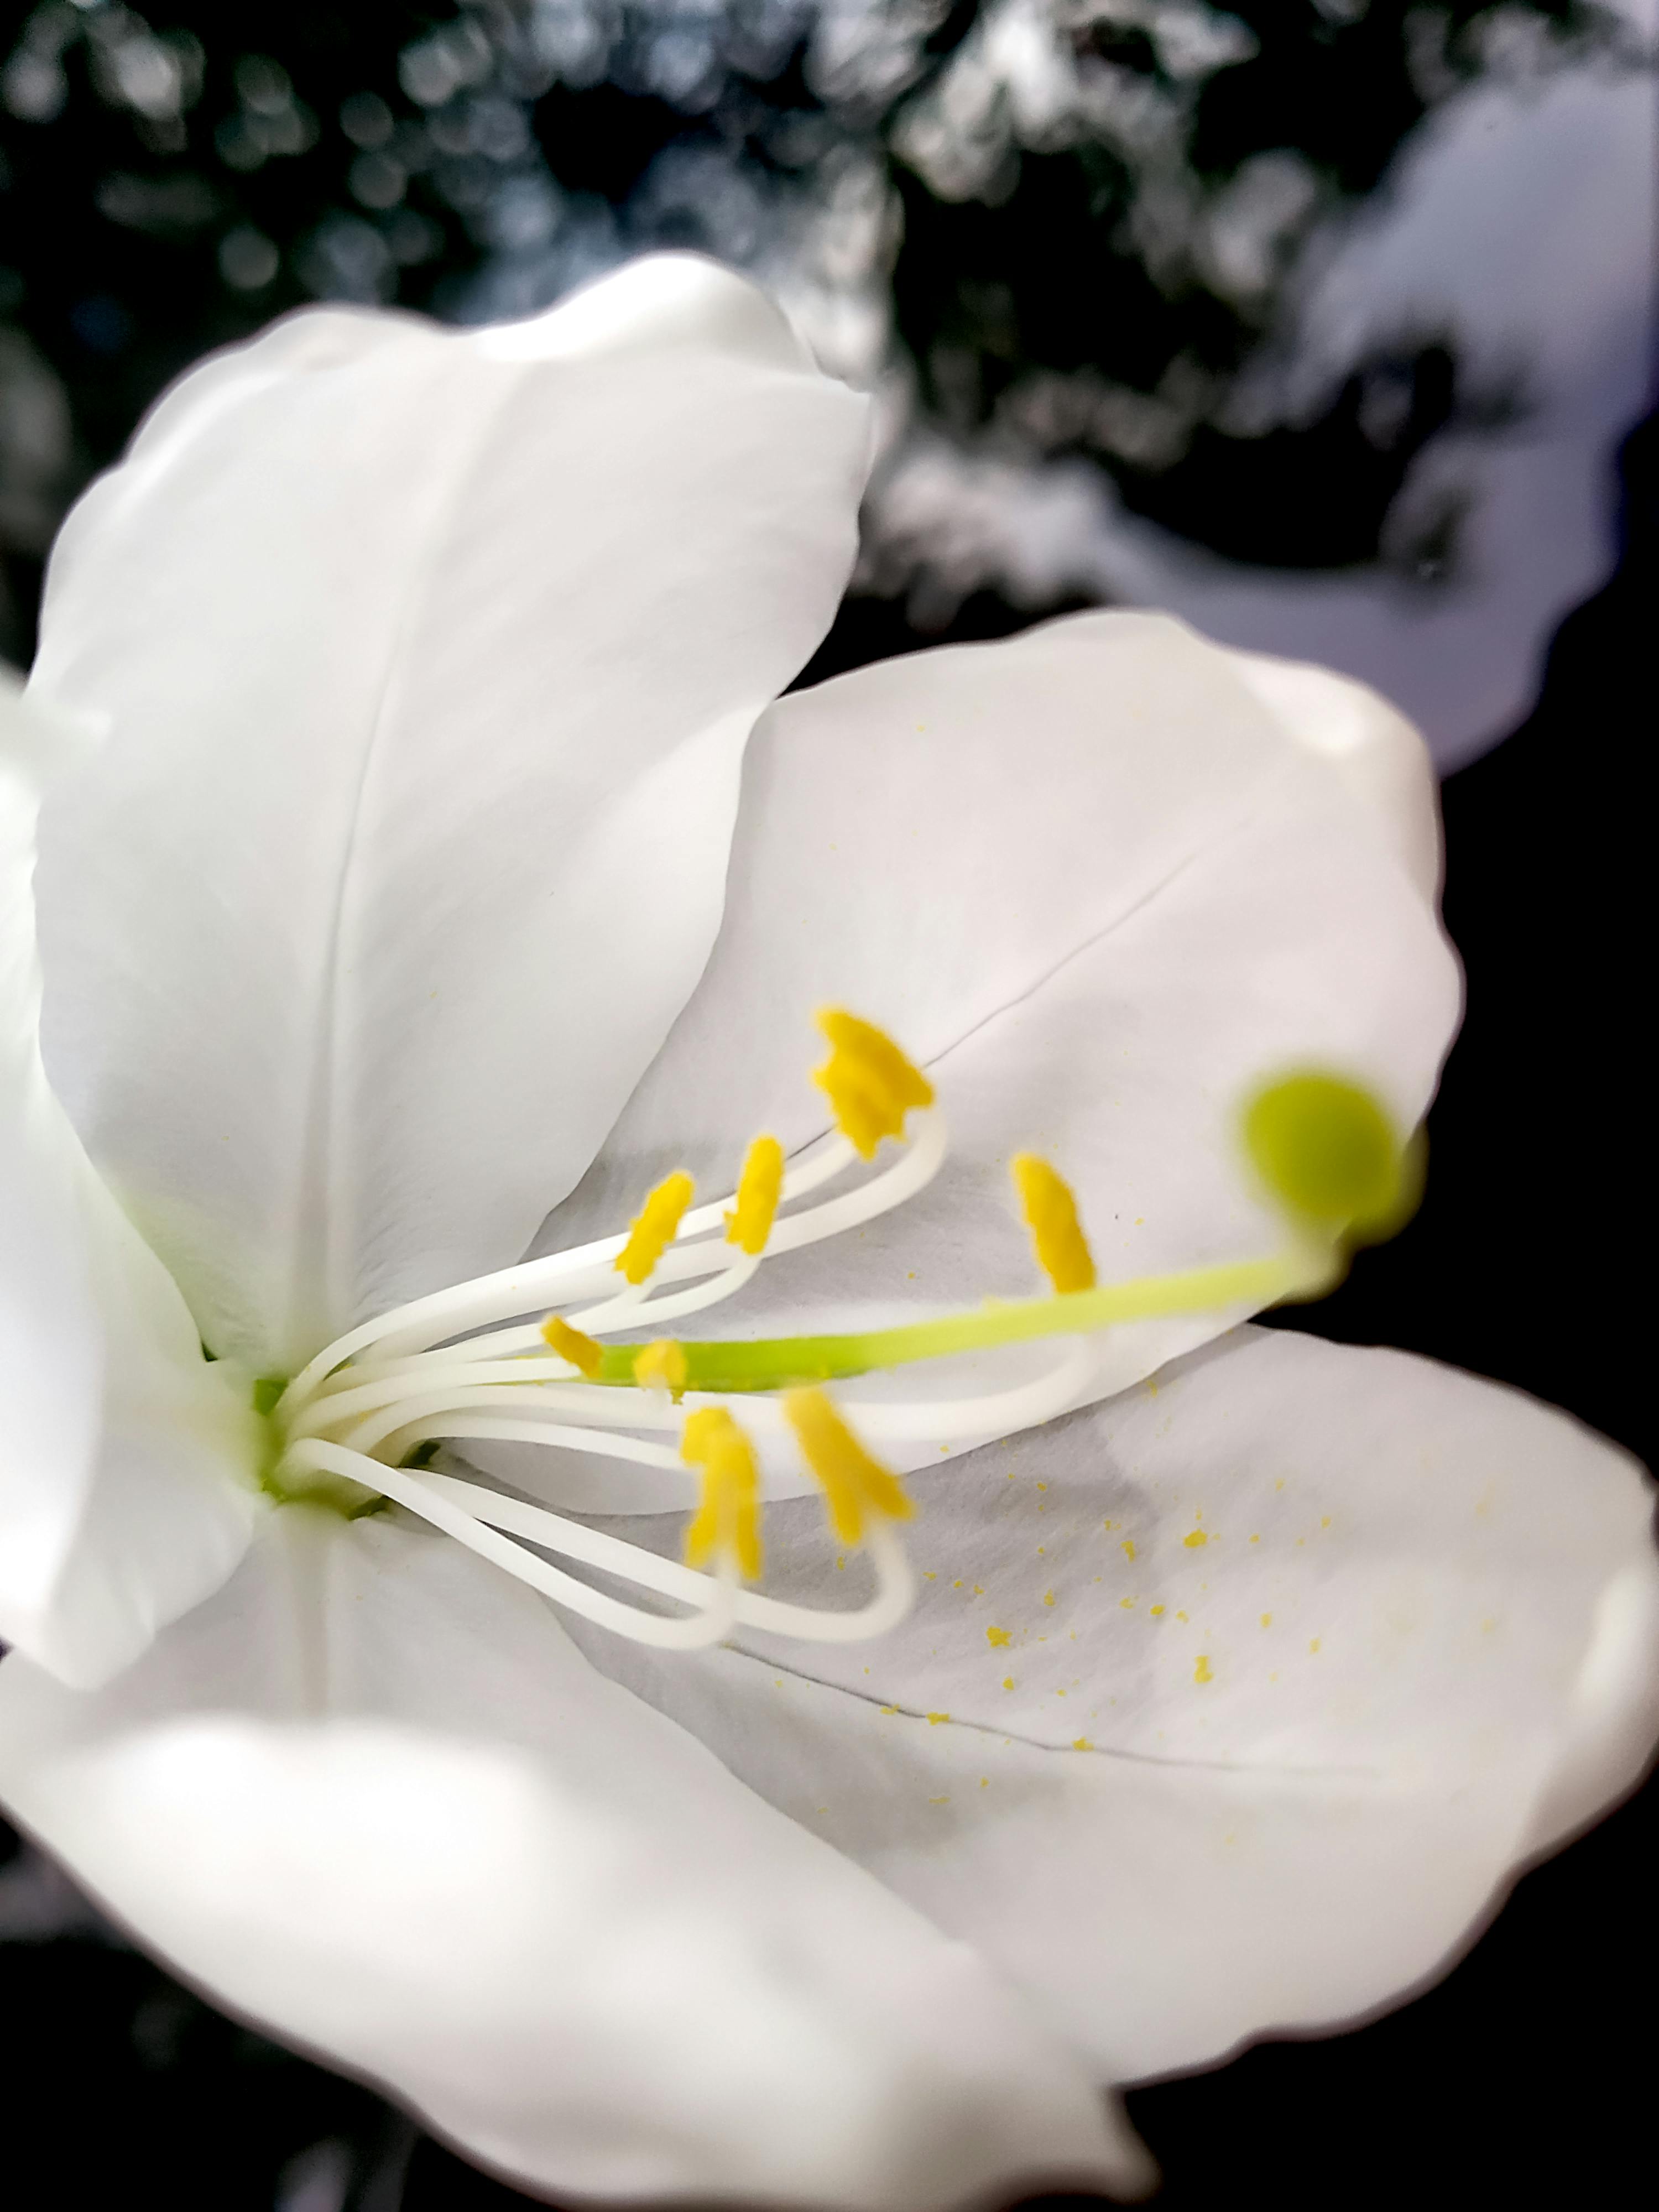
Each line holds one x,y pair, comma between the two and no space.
1319,320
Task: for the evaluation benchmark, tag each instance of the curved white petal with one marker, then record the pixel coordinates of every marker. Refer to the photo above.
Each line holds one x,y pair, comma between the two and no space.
426,659
1269,1781
126,1464
1370,744
371,1797
1098,890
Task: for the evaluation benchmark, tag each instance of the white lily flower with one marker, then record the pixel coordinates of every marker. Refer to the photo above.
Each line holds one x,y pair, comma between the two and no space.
430,856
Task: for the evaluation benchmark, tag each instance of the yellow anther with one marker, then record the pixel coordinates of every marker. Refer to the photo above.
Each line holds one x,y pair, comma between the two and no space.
570,1344
854,1485
726,1522
759,1188
867,1081
1062,1248
661,1366
652,1230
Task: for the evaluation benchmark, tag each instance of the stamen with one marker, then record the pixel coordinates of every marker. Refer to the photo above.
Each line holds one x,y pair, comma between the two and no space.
654,1226
855,1487
434,1499
867,1081
584,1352
726,1523
1323,1150
759,1188
659,1366
1062,1250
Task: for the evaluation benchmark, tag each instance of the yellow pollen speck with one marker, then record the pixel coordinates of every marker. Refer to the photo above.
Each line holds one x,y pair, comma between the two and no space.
1155,1610
1043,1486
984,1781
1324,1520
653,1226
727,1521
855,1487
1127,1604
1179,1614
1201,1668
928,1576
1042,1549
842,1561
933,1719
1280,1485
996,1637
890,1709
1059,1693
1267,1620
957,1583
1314,1645
979,1589
760,1186
1050,1212
1255,1539
1007,1682
939,1800
660,1367
869,1083
583,1353
1196,1541
1128,1547
1081,1743
1048,1597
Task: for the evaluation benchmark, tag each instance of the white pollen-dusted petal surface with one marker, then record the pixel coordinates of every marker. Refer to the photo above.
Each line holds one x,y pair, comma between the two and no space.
426,659
1188,1792
372,1798
126,1465
1098,890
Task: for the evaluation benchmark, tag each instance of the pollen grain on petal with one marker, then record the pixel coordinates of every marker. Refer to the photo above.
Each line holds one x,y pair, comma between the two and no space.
760,1186
584,1352
653,1227
870,1084
726,1523
856,1487
1050,1210
996,1637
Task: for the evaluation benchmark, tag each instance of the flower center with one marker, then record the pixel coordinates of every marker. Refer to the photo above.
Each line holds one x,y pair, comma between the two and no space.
520,1356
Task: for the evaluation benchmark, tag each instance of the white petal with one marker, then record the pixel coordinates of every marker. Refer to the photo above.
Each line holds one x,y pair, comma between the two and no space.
371,1798
428,658
1372,745
1092,883
1418,1640
126,1468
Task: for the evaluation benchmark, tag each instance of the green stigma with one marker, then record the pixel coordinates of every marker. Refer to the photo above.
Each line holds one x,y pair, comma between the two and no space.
1329,1155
